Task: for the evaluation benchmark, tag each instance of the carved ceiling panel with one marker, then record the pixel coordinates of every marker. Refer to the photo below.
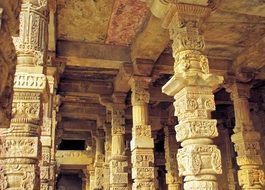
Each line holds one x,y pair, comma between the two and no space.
85,20
127,19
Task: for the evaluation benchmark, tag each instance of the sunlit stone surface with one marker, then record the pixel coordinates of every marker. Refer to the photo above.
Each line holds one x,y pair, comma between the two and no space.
132,95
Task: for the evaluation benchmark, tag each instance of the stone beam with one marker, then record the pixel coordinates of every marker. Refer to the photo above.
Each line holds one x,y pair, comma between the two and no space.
151,42
85,87
79,125
82,111
93,55
74,157
74,135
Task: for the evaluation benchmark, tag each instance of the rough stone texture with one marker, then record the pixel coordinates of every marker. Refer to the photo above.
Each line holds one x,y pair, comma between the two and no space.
228,33
9,25
126,20
83,20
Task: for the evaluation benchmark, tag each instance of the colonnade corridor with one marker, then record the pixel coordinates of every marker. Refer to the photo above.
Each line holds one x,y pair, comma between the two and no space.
132,95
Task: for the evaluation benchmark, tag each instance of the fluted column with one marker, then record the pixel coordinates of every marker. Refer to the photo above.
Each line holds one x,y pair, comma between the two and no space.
142,143
99,161
246,140
172,178
118,160
192,86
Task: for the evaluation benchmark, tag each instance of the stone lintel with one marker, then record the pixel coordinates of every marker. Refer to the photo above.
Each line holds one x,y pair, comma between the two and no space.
86,87
93,51
73,157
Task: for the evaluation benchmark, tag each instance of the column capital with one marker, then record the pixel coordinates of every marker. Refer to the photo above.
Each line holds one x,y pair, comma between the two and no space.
180,14
37,4
119,97
140,90
238,90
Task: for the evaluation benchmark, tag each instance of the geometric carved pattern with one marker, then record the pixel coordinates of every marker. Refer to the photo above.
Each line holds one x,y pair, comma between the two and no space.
191,85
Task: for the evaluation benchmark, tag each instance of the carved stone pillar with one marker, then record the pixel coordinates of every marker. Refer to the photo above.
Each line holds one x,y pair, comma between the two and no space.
53,164
45,161
21,144
142,143
106,167
246,140
172,178
192,87
91,180
99,161
22,141
118,160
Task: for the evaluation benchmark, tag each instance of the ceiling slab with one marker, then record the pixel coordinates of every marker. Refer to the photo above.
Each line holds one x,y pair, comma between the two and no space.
85,21
127,19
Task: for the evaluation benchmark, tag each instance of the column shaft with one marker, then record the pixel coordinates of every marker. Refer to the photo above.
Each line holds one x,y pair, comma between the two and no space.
22,141
118,160
99,161
106,167
192,87
91,180
172,179
142,143
246,141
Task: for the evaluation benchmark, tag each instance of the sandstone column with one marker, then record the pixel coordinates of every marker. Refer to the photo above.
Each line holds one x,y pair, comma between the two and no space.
91,180
142,143
118,160
22,140
172,178
246,140
192,87
99,161
106,167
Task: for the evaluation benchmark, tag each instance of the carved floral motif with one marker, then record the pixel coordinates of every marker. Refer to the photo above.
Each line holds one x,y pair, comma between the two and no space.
191,86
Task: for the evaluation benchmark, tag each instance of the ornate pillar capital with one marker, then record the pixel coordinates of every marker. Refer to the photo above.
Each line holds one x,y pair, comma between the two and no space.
140,90
238,90
192,86
246,139
37,4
